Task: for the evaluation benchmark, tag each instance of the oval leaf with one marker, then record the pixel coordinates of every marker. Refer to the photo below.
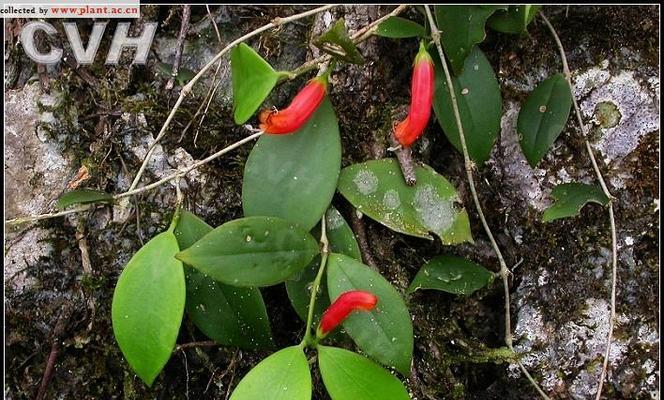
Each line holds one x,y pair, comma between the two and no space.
543,117
336,42
480,106
570,199
229,315
463,28
294,176
254,251
148,304
342,240
83,196
386,332
398,28
377,189
253,80
451,274
513,20
282,376
349,376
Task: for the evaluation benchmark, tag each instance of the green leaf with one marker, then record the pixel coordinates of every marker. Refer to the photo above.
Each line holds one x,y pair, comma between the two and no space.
147,306
336,42
229,315
282,376
253,80
184,74
377,189
350,376
386,332
340,235
399,28
451,274
254,251
83,196
294,176
480,106
570,199
342,240
462,28
543,117
513,20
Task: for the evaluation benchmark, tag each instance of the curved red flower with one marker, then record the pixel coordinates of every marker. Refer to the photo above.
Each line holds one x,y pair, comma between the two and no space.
303,106
346,303
422,88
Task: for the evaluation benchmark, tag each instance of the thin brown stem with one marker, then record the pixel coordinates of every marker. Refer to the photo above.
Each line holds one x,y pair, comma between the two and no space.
184,27
206,343
605,189
188,87
468,164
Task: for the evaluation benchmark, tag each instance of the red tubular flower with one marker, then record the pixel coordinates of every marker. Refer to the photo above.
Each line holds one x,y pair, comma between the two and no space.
303,106
346,303
422,87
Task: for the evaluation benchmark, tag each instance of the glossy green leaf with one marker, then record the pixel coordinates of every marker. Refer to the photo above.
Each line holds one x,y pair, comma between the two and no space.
480,106
462,28
254,251
229,315
342,240
543,117
253,80
83,196
336,42
398,28
284,375
386,332
570,199
294,176
147,306
377,189
350,376
513,20
451,274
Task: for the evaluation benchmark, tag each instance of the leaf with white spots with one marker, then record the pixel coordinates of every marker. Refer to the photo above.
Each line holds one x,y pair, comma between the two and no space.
570,199
378,190
451,274
543,117
384,333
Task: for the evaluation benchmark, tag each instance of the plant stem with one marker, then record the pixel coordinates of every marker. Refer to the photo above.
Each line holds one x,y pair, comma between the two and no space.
188,87
325,251
504,272
605,189
153,185
358,37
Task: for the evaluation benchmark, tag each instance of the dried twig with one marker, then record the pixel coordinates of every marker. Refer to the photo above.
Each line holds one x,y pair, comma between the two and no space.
184,27
605,189
205,343
58,331
504,272
362,242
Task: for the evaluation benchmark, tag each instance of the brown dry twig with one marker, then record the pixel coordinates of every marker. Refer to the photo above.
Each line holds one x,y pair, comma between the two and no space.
184,27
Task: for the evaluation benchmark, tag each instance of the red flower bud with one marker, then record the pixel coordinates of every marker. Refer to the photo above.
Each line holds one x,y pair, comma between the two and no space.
346,303
422,87
303,106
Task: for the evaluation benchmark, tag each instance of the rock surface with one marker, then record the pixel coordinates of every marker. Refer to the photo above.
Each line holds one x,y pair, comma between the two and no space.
66,268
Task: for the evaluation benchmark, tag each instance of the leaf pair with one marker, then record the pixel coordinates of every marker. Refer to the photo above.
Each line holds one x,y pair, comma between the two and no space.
285,375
